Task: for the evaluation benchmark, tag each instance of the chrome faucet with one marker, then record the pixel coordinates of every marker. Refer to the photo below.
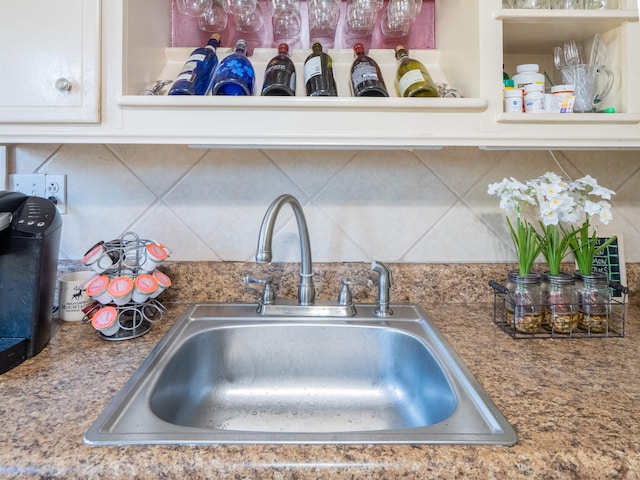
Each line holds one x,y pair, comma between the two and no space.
306,287
385,280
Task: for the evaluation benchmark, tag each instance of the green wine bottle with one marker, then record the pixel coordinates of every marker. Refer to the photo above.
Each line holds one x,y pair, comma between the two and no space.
412,77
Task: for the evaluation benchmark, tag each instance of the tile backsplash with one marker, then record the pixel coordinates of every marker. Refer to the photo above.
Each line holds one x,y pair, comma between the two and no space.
426,206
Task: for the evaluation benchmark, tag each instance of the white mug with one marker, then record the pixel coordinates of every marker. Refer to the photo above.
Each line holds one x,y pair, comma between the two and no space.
72,295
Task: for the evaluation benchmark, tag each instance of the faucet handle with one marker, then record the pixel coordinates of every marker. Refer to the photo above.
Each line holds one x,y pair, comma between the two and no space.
344,297
268,294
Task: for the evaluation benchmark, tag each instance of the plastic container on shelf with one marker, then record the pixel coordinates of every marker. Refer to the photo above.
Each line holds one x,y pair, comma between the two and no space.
527,74
562,99
534,98
513,100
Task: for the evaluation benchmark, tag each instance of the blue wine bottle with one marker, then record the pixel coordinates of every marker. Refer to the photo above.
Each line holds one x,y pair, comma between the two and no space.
195,76
235,74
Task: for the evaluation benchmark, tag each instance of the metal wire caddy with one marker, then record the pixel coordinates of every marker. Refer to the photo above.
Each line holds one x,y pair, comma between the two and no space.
505,317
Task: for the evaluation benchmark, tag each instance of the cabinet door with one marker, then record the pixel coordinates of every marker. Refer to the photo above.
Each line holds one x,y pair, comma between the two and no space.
50,61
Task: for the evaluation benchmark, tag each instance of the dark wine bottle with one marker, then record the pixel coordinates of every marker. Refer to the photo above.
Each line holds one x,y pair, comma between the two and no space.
195,76
366,77
235,74
280,75
318,74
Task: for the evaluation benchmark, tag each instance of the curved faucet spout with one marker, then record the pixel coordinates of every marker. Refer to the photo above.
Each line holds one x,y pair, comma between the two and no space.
306,288
385,280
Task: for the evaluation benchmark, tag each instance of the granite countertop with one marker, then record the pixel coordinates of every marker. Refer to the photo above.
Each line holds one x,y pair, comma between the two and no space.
574,403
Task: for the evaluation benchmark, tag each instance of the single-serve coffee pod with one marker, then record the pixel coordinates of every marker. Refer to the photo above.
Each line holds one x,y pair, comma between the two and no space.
121,289
91,309
97,258
154,255
143,286
72,297
164,282
105,321
98,289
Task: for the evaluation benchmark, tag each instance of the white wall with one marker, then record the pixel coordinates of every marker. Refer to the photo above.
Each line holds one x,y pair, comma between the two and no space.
397,206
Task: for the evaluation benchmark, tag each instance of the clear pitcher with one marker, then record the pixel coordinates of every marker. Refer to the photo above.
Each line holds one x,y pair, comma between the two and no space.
591,85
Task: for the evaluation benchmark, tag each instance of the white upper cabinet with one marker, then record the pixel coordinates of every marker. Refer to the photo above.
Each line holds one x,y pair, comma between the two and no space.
50,61
473,40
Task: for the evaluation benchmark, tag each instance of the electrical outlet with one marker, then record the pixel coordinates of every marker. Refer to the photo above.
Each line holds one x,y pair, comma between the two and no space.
56,191
53,187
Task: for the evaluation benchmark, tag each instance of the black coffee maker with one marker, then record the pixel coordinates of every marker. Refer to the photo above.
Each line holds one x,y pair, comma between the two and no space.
30,230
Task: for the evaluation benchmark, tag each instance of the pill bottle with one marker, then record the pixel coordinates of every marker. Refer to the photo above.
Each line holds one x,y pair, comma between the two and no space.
528,74
534,98
513,100
563,97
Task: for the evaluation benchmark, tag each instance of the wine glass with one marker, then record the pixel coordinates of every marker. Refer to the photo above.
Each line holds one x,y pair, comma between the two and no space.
323,18
360,17
214,18
396,19
193,8
287,23
247,14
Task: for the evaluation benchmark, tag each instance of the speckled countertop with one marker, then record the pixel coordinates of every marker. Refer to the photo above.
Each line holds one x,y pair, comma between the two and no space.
574,403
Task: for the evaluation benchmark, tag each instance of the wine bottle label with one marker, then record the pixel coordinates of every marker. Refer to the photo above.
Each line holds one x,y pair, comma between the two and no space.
198,57
408,79
188,68
274,67
363,72
312,68
188,76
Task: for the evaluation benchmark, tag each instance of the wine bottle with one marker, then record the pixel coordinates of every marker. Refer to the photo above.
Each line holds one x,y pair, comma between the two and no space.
195,76
280,75
318,74
235,74
412,77
366,78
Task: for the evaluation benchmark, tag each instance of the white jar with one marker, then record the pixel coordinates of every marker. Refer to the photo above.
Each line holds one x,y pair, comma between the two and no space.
534,98
563,97
513,101
527,74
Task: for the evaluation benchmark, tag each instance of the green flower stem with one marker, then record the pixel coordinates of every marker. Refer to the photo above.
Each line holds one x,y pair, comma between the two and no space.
556,245
527,244
584,246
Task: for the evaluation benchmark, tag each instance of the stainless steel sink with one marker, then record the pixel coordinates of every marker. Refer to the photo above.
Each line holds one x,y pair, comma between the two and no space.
224,374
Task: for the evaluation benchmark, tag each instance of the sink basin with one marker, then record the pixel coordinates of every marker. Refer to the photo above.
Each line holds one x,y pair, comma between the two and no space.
224,374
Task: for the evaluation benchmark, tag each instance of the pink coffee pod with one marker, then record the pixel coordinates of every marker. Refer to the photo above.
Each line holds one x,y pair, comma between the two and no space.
143,286
164,282
154,255
105,321
98,289
121,289
97,259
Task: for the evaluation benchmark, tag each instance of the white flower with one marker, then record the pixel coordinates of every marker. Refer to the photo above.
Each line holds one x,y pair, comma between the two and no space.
511,193
548,214
558,201
590,186
605,214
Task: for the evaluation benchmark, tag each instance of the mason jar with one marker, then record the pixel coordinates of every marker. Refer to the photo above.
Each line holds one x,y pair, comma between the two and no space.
561,306
594,298
524,308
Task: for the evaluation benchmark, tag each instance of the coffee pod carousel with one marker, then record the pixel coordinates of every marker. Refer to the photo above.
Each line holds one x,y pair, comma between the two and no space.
123,291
